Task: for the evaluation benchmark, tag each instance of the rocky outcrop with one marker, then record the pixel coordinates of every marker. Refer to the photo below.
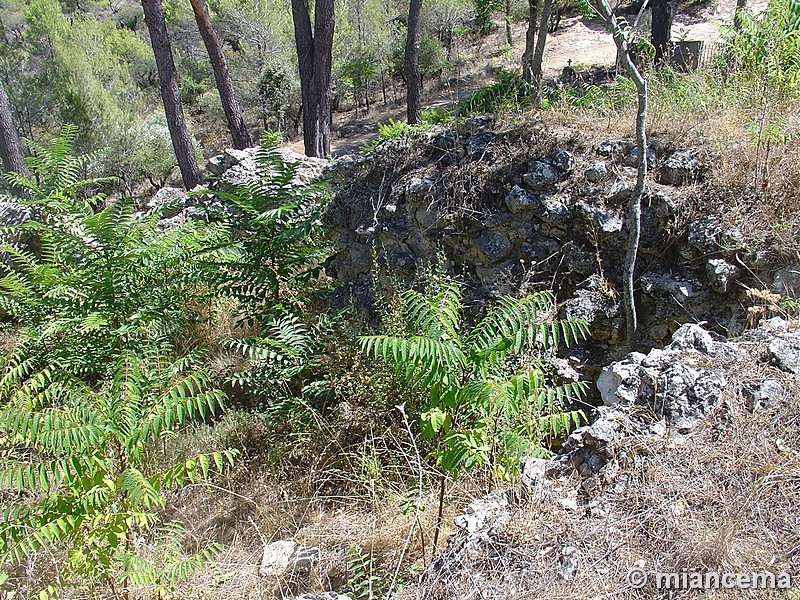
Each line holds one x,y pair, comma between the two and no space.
654,404
515,211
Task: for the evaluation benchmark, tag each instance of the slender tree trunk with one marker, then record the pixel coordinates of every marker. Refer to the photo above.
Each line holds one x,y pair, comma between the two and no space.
233,114
168,82
661,30
11,153
737,16
633,217
530,40
314,64
509,38
323,63
538,56
10,144
413,78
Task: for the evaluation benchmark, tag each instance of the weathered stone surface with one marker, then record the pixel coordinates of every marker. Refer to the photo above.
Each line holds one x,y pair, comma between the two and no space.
632,157
596,173
785,352
493,244
519,200
286,556
721,274
682,167
540,176
672,382
563,160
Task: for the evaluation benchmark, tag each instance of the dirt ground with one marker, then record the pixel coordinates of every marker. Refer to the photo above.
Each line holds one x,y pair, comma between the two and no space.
577,42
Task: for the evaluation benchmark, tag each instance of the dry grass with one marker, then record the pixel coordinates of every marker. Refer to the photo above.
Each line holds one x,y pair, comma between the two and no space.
329,490
725,498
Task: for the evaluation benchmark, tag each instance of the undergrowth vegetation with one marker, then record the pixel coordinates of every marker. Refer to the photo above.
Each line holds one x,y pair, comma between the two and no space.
129,332
174,393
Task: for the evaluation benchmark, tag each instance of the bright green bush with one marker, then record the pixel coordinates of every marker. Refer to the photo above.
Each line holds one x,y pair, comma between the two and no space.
95,379
275,258
490,398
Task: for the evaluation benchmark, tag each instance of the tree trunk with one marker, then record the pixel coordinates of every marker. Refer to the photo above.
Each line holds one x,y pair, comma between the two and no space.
168,82
737,16
233,114
538,56
10,144
530,40
633,217
413,78
661,30
314,64
509,38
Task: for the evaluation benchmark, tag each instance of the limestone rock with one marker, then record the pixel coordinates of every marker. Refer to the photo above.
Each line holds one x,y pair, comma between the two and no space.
563,160
286,556
682,167
519,200
540,175
672,382
785,353
493,244
596,172
721,274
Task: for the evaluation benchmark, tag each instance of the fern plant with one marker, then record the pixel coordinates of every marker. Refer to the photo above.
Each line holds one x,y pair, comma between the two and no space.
278,246
75,455
490,399
102,279
94,378
282,369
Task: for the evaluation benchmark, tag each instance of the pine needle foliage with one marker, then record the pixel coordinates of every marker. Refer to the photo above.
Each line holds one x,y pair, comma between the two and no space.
490,399
277,239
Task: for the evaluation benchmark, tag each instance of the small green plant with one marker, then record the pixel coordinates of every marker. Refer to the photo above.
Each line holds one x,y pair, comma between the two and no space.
270,138
391,131
363,583
510,92
490,399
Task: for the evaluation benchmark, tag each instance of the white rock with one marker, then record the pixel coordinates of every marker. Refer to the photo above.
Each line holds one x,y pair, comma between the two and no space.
284,556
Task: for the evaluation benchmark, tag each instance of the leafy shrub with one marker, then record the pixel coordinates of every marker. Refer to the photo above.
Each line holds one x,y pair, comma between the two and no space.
510,92
104,279
490,399
391,131
767,45
94,379
146,152
274,259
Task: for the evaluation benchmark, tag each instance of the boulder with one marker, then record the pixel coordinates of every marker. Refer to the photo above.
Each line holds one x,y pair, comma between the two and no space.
540,176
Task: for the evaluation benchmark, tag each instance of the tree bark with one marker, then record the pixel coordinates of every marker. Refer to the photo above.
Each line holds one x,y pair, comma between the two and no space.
633,217
530,40
233,114
10,144
314,64
170,95
413,78
509,38
538,56
661,30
